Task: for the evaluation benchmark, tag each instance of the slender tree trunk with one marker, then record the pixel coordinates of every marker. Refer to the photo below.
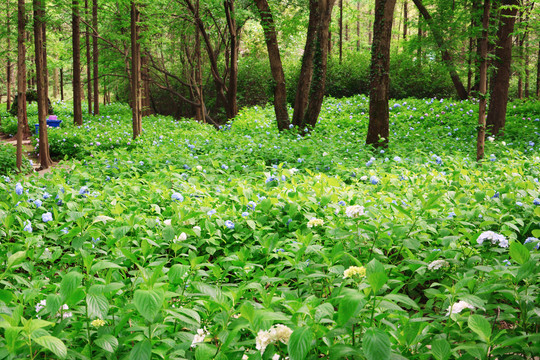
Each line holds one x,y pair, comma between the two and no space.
481,139
446,57
280,92
89,79
234,34
200,109
378,128
136,71
340,31
538,73
370,34
358,26
76,41
419,50
22,122
405,19
95,56
8,65
496,118
62,84
55,82
41,77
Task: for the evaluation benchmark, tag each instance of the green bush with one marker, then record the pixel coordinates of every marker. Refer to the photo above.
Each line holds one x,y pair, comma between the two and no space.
8,160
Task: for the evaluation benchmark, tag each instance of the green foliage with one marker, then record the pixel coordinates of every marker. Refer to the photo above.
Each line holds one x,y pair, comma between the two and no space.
8,160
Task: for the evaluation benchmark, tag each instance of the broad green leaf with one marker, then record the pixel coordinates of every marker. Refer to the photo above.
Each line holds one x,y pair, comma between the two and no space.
101,265
168,233
53,344
300,343
377,281
440,349
148,303
519,253
177,272
526,270
16,259
107,342
349,307
376,344
98,305
205,351
141,351
480,326
69,284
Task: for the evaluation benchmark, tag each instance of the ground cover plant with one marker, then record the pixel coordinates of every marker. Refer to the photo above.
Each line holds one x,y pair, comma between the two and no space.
192,243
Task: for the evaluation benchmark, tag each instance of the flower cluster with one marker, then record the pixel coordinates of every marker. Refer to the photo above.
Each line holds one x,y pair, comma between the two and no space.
98,323
458,307
437,264
177,196
534,240
354,211
199,337
354,270
494,237
229,224
315,222
276,333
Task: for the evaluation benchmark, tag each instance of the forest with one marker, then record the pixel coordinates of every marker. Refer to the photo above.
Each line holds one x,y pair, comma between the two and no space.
269,179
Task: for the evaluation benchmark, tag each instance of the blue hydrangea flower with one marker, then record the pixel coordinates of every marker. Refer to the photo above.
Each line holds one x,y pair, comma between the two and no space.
251,205
18,189
373,180
28,226
46,195
64,231
270,179
177,196
84,190
519,203
47,217
342,203
507,262
451,215
224,167
7,179
245,213
229,224
37,203
211,212
536,201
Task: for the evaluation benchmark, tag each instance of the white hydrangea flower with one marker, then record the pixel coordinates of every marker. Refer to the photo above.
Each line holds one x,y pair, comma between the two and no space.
179,238
493,237
167,222
354,211
458,307
41,305
276,357
437,264
199,336
354,270
276,333
315,222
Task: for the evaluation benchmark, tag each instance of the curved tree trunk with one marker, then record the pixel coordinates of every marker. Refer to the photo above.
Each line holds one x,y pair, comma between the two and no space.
447,58
77,93
378,128
496,117
280,92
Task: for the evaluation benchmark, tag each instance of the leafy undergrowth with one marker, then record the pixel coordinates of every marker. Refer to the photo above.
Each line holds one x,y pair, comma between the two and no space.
191,243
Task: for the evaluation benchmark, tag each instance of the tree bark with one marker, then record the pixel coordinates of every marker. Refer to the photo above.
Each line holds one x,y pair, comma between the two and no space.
280,92
405,19
41,77
358,26
95,56
496,118
446,57
340,31
481,139
234,34
62,84
378,127
55,82
8,65
200,108
22,123
136,104
76,41
538,73
89,80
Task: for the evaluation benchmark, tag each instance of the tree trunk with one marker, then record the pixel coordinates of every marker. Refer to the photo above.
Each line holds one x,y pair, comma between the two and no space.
340,31
446,57
95,56
89,79
136,104
496,118
481,139
370,34
22,123
55,82
62,84
378,128
405,19
76,41
538,73
358,26
234,34
8,65
200,109
41,77
419,52
280,92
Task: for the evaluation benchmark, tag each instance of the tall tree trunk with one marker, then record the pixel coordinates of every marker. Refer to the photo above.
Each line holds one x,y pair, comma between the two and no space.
370,34
538,73
481,139
496,118
446,57
76,41
527,72
419,50
62,84
276,66
234,34
22,122
41,77
95,56
358,26
8,65
89,79
55,82
378,128
200,109
340,31
136,104
405,19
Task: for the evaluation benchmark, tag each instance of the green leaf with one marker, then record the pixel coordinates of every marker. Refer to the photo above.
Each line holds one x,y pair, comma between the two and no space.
376,344
177,272
377,281
300,343
141,351
349,307
148,303
526,270
98,305
53,344
168,233
205,351
107,342
519,253
101,265
16,259
440,349
480,326
70,282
